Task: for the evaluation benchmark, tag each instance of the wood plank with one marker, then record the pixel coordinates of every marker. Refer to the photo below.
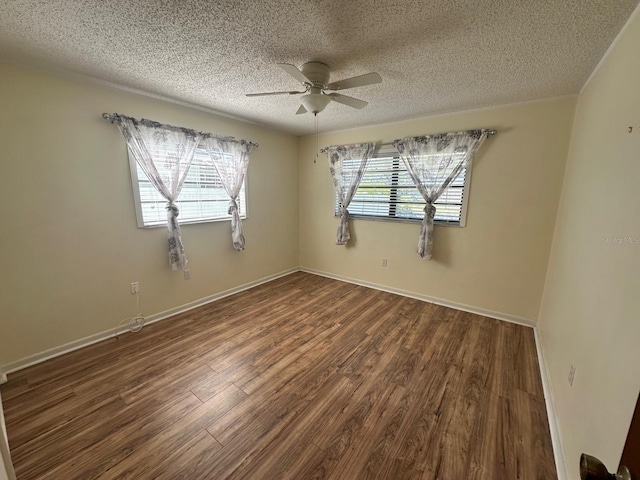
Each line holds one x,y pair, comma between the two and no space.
302,377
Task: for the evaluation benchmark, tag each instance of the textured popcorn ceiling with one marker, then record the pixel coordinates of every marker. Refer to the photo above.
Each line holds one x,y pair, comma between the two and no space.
433,55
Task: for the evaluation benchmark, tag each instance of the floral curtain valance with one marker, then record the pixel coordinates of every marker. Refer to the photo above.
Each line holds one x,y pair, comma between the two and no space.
347,164
150,143
116,118
433,162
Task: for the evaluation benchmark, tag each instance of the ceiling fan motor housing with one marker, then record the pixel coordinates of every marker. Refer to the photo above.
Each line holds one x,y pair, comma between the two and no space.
317,72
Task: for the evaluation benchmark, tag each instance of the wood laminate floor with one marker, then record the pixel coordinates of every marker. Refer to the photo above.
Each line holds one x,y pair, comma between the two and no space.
300,378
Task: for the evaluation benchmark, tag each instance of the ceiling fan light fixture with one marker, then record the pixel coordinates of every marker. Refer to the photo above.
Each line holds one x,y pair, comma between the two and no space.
314,77
315,102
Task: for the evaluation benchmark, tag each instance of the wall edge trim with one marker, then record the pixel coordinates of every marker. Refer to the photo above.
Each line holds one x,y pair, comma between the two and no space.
607,53
426,298
34,359
554,427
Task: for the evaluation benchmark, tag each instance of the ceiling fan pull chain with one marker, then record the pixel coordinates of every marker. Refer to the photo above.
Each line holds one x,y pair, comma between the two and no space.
315,157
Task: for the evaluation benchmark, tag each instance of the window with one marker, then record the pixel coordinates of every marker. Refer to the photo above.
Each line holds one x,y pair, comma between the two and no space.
387,192
202,199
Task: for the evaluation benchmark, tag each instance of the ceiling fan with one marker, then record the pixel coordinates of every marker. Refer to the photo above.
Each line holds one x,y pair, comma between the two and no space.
315,78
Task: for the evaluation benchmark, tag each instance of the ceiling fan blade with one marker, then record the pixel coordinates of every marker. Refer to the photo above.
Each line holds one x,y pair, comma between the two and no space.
359,81
295,72
271,93
301,110
349,101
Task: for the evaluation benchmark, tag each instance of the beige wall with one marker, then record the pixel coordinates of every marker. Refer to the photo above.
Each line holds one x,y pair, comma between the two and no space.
590,315
69,242
70,245
498,261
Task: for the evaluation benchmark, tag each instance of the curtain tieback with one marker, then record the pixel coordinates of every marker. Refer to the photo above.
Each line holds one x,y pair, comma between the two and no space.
173,208
429,210
344,213
233,207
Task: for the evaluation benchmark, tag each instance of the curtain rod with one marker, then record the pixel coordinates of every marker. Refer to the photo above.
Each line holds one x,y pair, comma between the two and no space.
489,133
388,144
112,119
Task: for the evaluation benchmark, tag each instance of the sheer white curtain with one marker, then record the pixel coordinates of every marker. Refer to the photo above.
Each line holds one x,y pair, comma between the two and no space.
347,164
433,162
165,154
230,157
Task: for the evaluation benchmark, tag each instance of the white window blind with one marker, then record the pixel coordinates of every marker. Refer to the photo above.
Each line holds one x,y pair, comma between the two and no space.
387,192
202,199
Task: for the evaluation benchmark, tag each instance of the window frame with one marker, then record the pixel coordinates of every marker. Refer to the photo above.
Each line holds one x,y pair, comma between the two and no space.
390,151
135,186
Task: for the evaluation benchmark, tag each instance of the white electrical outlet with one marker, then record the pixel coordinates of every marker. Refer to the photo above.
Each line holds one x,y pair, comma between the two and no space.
384,262
572,374
187,274
135,288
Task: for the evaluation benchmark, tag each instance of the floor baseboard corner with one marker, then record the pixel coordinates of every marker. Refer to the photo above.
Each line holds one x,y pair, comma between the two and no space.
101,336
425,298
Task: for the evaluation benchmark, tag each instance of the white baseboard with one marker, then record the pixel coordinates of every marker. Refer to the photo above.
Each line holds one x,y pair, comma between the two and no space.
84,342
558,452
156,317
554,429
216,296
57,351
98,337
426,298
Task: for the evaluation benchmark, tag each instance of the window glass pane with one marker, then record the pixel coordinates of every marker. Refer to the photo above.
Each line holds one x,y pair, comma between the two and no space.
202,197
387,191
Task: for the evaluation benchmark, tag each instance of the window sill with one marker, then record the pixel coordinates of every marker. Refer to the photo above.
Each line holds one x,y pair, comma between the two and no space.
190,222
440,223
